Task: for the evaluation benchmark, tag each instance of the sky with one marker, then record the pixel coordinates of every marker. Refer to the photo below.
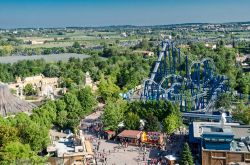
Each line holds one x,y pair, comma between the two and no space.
65,13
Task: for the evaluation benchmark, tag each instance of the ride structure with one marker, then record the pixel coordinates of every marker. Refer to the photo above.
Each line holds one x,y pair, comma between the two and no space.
194,85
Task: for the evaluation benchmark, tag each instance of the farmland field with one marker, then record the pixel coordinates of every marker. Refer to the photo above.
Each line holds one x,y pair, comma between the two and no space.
47,58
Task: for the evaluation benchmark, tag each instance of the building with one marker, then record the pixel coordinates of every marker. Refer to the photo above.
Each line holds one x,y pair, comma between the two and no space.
170,159
242,59
11,105
130,136
70,149
144,53
244,62
220,143
154,138
109,134
44,85
136,137
89,82
124,34
165,36
212,46
35,42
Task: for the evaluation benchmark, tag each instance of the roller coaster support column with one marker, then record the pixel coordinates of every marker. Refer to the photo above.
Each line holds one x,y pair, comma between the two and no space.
198,75
174,59
185,109
181,104
187,72
165,61
179,56
169,61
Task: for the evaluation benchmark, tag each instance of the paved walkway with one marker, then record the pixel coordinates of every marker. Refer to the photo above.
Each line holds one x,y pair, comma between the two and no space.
111,151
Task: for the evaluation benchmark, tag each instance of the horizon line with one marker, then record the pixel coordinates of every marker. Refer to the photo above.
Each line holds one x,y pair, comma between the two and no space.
120,25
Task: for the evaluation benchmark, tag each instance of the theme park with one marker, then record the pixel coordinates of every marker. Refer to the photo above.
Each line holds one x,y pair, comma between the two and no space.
124,82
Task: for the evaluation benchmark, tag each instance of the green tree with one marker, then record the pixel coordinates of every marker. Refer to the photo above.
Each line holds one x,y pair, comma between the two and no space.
51,70
7,50
87,99
242,113
76,45
29,90
7,134
171,123
73,106
152,123
60,105
45,115
144,44
36,135
107,88
113,114
186,156
61,119
132,121
17,153
224,100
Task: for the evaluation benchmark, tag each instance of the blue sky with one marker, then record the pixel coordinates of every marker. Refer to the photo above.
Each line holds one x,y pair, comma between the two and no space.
61,13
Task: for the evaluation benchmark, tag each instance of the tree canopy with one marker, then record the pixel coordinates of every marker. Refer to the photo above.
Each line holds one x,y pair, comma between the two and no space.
132,121
171,123
186,156
113,114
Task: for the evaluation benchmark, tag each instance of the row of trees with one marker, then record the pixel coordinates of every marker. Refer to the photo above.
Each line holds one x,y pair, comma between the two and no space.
153,113
124,71
8,50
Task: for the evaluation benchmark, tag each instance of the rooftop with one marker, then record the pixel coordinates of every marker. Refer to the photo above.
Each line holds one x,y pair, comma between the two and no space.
130,133
212,127
213,132
241,131
10,104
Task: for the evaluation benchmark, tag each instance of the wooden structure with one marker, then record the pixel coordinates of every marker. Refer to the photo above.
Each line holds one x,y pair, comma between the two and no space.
109,134
170,159
216,157
69,159
130,136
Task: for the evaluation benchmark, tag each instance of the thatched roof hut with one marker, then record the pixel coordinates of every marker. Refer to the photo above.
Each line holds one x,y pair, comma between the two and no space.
10,104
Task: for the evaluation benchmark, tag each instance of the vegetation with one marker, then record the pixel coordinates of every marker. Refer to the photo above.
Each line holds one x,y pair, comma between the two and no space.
29,134
154,113
171,123
242,113
224,101
29,90
186,156
132,121
113,114
117,69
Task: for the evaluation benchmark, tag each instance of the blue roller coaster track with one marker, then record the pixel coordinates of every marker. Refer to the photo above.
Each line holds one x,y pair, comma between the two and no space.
194,85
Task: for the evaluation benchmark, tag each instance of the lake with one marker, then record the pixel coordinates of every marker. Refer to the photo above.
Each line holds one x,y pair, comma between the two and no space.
48,58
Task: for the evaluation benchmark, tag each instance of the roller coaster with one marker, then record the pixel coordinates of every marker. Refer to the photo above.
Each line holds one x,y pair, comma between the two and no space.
194,85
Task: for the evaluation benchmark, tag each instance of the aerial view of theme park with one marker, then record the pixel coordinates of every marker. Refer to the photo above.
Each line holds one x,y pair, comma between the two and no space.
124,82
